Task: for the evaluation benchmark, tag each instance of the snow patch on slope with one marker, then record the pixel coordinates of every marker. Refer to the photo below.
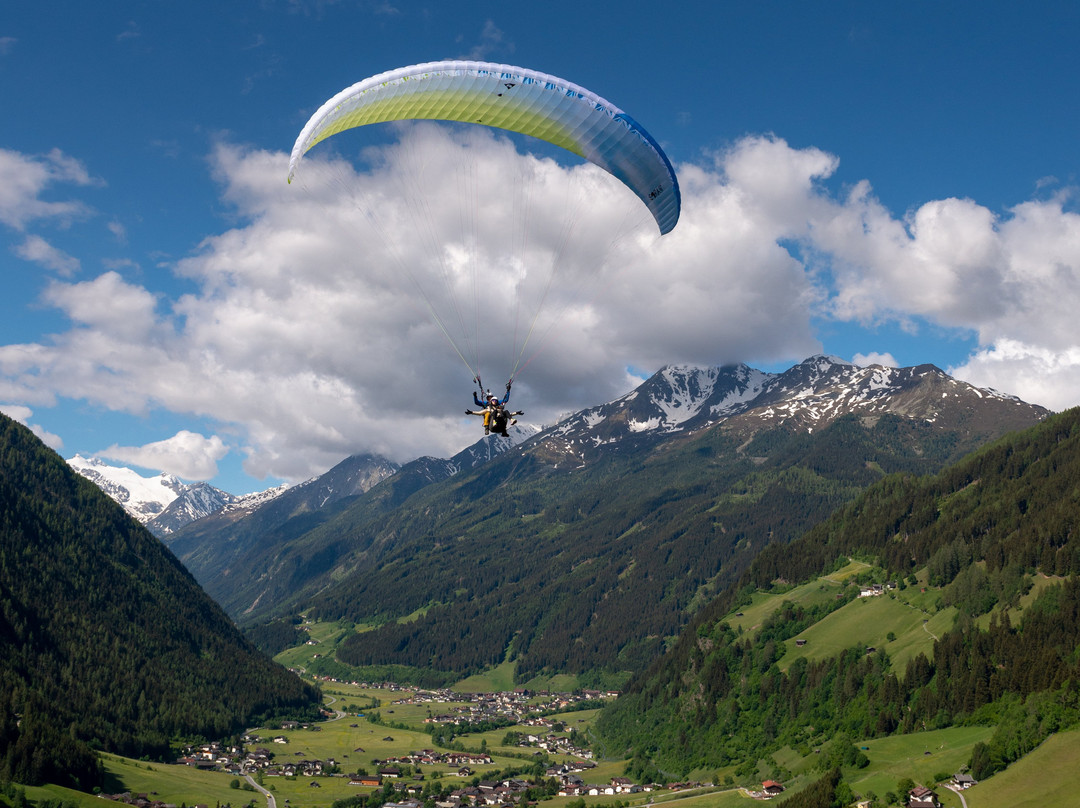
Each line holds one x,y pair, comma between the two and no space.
142,497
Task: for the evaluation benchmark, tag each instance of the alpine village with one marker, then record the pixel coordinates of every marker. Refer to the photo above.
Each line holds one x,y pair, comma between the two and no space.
830,586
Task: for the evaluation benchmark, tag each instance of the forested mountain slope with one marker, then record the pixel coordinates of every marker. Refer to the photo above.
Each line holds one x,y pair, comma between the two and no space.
106,641
977,534
584,548
213,548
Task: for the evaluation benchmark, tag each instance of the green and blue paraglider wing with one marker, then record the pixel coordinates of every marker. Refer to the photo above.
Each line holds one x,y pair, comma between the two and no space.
515,99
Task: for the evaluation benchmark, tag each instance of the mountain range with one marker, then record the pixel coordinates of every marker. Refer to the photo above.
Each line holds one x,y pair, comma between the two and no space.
586,546
165,503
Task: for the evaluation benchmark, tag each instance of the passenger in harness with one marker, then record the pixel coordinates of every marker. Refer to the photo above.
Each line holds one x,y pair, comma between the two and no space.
496,418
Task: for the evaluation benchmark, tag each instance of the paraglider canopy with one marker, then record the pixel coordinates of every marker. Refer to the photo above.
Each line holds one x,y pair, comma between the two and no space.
512,98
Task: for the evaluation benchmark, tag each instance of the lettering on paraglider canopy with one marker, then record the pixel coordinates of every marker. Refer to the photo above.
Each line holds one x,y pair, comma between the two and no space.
655,192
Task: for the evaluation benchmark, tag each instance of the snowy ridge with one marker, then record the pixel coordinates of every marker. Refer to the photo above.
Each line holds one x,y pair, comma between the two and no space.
194,502
688,388
812,394
249,502
142,497
821,389
491,446
163,503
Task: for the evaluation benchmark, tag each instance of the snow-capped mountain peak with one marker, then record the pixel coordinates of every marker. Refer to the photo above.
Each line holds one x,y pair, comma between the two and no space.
810,395
163,503
142,497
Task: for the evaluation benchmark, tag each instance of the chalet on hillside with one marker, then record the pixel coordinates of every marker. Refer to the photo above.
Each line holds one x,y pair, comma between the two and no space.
771,788
964,781
922,797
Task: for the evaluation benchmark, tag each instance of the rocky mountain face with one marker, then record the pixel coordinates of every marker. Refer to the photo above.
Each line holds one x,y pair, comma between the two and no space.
211,545
809,396
194,502
590,542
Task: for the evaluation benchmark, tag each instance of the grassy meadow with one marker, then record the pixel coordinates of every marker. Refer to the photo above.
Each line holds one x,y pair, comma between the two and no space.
921,756
1050,775
868,622
911,615
175,784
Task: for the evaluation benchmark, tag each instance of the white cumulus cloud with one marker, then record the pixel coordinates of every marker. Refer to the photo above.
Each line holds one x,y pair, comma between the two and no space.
39,251
24,178
321,323
186,454
874,358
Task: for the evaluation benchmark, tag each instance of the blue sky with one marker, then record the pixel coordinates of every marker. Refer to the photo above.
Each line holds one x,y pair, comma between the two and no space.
879,181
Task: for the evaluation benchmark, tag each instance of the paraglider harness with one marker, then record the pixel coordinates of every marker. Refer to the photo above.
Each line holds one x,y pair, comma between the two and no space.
496,418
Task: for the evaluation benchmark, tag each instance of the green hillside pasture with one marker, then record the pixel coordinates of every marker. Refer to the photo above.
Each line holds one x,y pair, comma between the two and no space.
301,793
173,784
1038,584
919,756
849,570
338,695
341,739
499,679
868,621
36,794
1050,775
749,618
326,635
413,715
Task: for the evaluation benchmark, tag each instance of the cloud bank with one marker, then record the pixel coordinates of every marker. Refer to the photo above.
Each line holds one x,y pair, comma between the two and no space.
347,312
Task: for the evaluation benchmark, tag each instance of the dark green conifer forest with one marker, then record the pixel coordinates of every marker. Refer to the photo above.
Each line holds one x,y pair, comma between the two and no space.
106,641
586,570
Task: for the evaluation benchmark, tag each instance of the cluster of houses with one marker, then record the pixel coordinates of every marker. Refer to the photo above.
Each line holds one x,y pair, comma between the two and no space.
554,744
874,590
514,706
213,755
574,786
512,792
235,760
430,757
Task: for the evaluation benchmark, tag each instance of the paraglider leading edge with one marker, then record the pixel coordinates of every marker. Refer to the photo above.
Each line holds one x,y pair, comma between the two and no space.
516,99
